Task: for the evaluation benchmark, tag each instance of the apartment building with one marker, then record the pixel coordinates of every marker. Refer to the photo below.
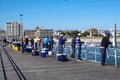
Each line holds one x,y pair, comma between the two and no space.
14,30
2,34
41,32
29,33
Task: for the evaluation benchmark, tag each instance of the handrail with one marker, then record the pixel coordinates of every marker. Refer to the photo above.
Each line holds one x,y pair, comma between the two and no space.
95,52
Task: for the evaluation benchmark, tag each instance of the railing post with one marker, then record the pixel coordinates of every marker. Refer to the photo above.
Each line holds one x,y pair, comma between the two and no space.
115,57
95,54
86,52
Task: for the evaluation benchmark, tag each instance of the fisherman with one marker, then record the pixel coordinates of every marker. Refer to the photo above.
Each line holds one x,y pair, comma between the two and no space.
73,43
61,44
78,47
51,43
45,42
36,42
104,45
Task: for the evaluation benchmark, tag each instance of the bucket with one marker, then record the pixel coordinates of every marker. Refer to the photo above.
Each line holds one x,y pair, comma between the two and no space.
44,52
49,53
58,57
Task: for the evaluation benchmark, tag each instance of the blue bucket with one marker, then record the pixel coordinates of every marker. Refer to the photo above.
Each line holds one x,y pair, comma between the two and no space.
58,57
44,52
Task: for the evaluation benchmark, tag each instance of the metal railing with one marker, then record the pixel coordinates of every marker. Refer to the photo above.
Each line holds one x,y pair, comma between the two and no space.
93,53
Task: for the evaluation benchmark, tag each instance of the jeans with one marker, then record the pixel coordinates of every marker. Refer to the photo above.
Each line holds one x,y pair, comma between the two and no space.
36,45
103,56
73,51
23,47
78,51
60,49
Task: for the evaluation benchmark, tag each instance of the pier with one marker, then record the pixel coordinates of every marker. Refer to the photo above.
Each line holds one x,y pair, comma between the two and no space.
48,68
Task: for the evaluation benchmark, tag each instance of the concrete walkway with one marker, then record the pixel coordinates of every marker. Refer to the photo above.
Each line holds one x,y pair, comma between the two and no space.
38,68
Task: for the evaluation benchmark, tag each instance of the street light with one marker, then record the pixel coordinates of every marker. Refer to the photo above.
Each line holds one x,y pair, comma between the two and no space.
21,18
21,25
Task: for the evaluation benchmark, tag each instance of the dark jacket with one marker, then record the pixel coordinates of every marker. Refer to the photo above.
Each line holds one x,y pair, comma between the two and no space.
73,42
105,42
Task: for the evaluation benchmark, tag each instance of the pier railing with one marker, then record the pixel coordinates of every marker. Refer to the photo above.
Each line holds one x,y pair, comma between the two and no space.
93,53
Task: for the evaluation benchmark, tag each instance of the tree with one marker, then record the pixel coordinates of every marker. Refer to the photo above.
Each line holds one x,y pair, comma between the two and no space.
74,33
85,33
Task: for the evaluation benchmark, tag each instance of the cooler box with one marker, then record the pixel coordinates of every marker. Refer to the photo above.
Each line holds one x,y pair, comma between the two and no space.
44,52
17,46
28,49
58,57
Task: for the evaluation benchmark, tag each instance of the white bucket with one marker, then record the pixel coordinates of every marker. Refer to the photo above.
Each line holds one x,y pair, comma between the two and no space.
49,53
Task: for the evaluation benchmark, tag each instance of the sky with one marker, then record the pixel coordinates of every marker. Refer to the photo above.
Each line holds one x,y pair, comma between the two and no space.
61,14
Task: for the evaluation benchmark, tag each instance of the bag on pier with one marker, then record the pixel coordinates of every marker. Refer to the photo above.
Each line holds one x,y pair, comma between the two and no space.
64,57
35,52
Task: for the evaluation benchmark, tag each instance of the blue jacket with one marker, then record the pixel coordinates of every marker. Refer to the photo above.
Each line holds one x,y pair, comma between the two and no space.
61,41
51,41
45,40
78,42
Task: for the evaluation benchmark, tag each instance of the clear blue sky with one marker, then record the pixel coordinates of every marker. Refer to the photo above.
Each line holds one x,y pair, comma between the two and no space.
62,14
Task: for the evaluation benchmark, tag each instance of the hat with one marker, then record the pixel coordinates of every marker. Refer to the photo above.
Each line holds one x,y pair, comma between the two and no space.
107,34
79,34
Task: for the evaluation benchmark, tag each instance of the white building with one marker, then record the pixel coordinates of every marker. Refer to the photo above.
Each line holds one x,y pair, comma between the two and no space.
29,33
14,30
2,34
41,32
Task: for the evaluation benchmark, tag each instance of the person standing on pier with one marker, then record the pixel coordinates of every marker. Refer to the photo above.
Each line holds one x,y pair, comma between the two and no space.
78,47
104,44
36,42
61,44
45,41
26,41
32,43
23,46
51,43
73,43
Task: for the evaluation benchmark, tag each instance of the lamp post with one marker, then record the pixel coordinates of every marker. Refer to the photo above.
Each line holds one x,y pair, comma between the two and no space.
21,18
21,25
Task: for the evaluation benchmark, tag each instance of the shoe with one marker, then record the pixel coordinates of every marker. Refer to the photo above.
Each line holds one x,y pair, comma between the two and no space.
72,56
102,64
78,60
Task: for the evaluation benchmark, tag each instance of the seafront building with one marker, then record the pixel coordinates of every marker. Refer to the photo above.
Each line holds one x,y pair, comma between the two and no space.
39,31
2,34
14,30
29,33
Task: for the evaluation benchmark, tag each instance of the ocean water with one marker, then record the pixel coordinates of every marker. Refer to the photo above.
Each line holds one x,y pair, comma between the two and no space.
91,51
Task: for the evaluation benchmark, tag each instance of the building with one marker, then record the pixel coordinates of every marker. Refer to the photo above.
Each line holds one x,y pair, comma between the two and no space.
29,33
2,34
41,32
14,30
93,32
